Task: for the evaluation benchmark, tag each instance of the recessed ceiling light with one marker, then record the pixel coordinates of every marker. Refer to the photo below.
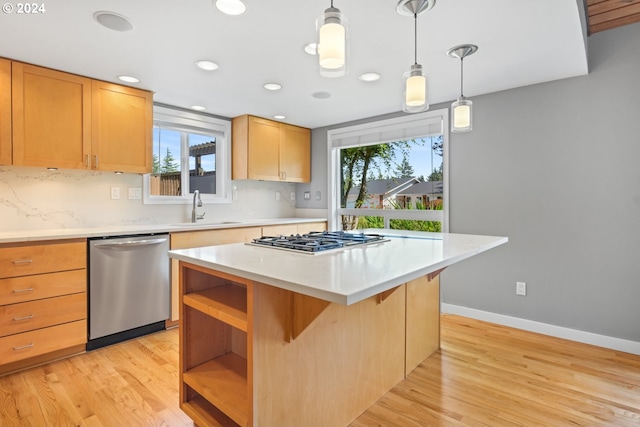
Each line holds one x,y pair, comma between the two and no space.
279,117
129,79
198,107
321,95
113,21
206,65
231,7
311,48
369,77
272,86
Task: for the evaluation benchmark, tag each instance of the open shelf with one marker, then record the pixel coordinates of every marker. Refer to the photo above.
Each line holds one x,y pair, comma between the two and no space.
223,382
227,303
204,413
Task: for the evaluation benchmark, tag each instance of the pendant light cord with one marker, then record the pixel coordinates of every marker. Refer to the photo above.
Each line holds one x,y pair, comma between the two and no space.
461,77
415,38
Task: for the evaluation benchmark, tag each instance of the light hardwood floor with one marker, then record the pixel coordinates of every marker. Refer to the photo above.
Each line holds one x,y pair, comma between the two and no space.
485,375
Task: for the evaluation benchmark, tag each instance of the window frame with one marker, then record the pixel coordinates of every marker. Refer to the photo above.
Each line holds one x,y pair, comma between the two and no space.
390,130
186,121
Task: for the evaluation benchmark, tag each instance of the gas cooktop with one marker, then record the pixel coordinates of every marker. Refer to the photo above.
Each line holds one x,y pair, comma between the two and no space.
317,241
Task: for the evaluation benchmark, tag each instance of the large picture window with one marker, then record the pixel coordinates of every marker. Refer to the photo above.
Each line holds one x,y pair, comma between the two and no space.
190,152
390,174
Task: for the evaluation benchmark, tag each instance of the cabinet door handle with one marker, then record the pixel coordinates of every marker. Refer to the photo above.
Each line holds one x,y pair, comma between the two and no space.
96,156
18,291
88,161
18,319
22,347
22,261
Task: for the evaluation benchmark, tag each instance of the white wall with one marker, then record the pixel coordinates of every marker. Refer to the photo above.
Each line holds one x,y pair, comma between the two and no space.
34,199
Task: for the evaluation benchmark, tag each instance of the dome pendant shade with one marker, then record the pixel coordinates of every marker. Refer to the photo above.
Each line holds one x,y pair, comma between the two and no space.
332,43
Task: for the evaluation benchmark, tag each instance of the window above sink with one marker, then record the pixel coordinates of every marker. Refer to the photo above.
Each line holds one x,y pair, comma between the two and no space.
191,151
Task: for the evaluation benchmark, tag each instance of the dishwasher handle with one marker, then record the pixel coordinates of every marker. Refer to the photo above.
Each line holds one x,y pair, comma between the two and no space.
130,243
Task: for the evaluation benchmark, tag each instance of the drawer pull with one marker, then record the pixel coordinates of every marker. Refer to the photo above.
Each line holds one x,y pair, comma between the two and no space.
22,347
19,291
22,261
17,319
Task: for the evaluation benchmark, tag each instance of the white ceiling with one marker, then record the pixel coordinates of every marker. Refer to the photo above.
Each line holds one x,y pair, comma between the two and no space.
521,42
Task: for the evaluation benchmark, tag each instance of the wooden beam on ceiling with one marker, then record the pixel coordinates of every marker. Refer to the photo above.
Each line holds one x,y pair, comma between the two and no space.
608,14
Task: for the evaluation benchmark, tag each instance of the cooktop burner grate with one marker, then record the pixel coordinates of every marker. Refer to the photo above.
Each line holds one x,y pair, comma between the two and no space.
317,241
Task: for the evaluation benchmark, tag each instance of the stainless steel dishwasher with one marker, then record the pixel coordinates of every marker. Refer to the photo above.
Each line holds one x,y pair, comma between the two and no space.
129,287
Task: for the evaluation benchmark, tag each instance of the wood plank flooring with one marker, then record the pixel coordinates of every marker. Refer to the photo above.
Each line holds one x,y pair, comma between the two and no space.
485,375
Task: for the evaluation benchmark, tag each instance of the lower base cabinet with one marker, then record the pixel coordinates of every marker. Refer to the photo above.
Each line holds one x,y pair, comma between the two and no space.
43,302
256,355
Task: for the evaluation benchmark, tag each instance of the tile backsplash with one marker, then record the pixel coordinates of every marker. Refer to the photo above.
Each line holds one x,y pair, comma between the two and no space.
34,199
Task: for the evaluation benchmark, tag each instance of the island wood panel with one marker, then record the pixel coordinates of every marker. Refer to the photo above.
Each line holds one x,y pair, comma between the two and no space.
5,112
422,320
343,361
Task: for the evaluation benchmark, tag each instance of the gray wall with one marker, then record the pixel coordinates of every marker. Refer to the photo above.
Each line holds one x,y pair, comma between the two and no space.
555,167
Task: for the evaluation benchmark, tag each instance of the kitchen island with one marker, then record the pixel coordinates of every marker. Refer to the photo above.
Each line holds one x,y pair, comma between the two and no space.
277,338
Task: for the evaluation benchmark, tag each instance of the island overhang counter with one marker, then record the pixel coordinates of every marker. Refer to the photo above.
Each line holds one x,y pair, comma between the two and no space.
271,337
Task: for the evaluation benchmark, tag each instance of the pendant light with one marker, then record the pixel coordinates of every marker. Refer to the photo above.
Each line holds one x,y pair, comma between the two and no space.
332,42
415,81
462,109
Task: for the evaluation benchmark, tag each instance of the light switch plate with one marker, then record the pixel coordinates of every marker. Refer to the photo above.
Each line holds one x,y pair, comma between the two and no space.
115,193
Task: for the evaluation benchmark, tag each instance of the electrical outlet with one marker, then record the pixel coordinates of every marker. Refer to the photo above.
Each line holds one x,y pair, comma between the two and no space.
135,193
307,195
318,195
521,288
115,193
277,196
293,195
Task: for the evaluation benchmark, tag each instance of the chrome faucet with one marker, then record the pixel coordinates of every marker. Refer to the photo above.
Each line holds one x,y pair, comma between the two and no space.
194,214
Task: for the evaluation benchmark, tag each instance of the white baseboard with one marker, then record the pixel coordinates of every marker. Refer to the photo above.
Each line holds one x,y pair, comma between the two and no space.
619,344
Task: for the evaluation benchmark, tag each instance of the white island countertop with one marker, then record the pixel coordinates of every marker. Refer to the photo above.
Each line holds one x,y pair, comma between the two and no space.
348,275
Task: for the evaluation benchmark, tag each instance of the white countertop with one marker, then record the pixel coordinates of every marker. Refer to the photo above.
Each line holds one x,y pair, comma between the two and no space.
119,230
345,276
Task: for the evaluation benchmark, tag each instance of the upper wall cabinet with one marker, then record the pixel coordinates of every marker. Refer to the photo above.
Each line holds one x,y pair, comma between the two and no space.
270,151
121,131
66,121
5,112
51,118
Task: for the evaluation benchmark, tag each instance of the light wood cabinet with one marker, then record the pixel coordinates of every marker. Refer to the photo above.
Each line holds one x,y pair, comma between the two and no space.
43,302
288,229
249,351
63,120
121,130
271,151
51,118
5,112
197,239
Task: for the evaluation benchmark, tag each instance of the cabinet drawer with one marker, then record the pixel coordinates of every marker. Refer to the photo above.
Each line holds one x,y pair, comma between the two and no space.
42,341
28,288
43,257
26,316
